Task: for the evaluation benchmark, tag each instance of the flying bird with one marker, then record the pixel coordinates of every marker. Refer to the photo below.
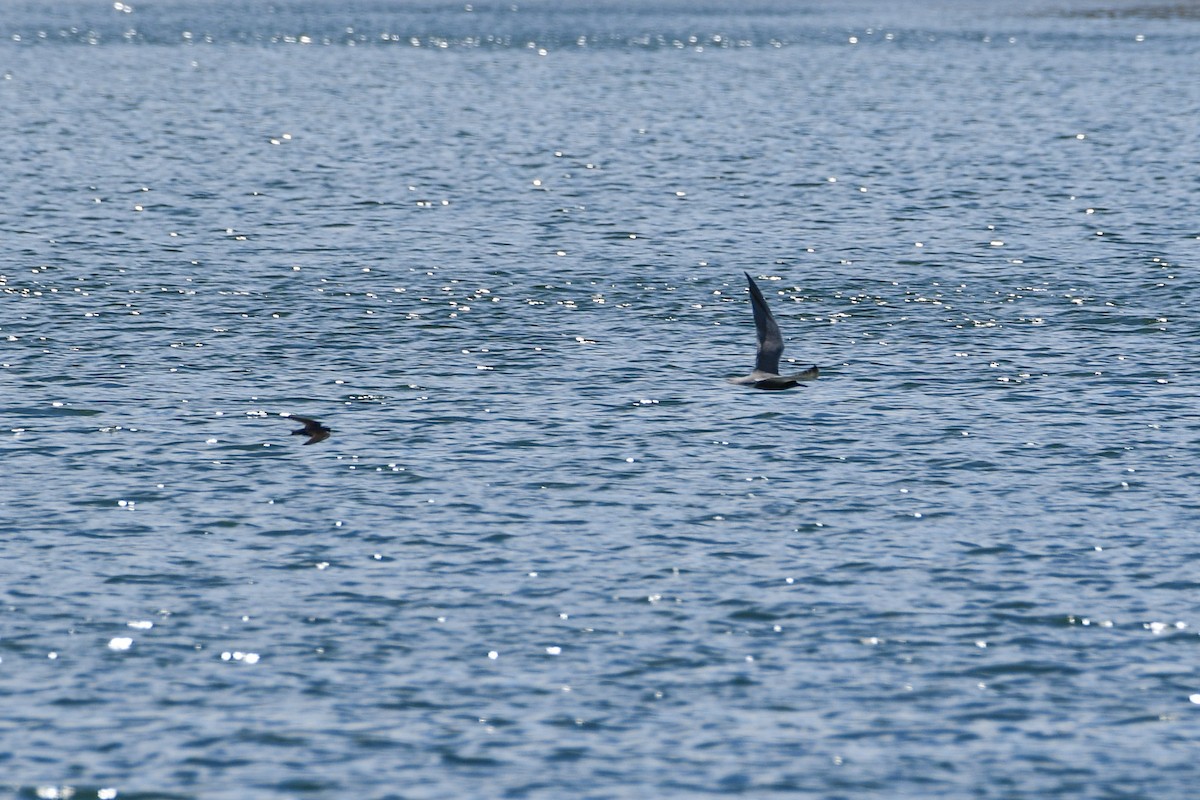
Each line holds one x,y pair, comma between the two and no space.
770,348
315,431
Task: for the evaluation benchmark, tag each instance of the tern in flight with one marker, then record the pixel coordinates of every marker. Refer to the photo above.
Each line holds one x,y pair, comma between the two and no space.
770,348
315,431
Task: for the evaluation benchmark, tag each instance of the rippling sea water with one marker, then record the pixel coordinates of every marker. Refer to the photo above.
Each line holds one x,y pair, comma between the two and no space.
548,552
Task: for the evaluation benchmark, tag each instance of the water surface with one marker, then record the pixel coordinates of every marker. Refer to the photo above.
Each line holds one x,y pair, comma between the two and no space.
548,552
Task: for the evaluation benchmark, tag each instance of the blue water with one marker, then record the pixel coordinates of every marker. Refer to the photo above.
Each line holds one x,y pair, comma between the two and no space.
548,552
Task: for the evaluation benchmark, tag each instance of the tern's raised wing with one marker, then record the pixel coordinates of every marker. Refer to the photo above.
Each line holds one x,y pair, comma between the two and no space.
770,341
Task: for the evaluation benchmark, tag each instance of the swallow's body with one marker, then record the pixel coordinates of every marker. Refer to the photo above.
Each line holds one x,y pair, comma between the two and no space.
315,431
770,348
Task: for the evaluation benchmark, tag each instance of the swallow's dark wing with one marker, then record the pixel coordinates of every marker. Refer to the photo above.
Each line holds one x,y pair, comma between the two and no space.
770,341
310,424
312,429
318,436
